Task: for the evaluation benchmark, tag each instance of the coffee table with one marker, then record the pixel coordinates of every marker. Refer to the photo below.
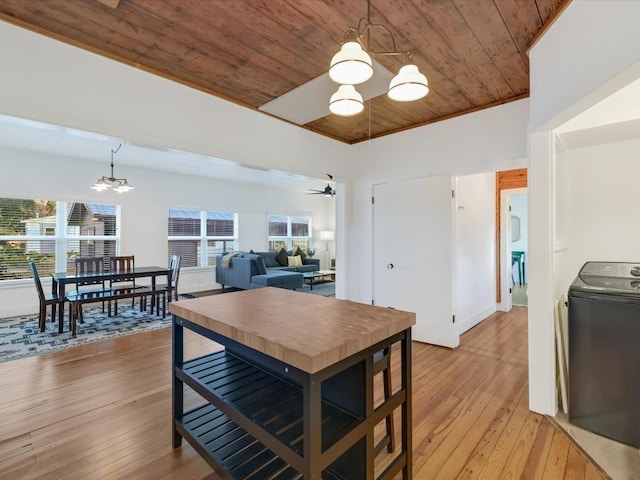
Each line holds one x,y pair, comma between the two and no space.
319,274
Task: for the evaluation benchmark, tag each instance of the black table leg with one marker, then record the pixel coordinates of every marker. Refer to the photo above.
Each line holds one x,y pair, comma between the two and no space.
177,348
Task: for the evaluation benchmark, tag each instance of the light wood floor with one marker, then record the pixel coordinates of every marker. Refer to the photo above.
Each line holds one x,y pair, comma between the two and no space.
102,411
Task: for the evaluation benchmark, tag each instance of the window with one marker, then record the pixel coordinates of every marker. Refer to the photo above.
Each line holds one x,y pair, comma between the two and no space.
198,236
53,234
289,232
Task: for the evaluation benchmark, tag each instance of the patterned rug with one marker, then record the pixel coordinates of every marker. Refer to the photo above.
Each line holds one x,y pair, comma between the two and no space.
20,336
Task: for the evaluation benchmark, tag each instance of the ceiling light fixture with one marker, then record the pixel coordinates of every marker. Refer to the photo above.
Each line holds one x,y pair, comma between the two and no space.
352,65
119,185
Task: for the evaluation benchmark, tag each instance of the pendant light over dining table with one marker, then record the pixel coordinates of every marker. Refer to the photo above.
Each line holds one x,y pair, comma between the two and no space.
352,65
119,185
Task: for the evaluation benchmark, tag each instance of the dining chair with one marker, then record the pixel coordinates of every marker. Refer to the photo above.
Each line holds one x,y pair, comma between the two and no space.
51,299
89,265
123,264
382,364
174,265
162,288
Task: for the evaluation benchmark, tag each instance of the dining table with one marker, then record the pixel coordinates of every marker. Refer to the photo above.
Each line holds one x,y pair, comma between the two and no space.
60,280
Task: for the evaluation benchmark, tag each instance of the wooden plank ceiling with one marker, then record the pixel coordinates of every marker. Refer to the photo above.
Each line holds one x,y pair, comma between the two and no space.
473,52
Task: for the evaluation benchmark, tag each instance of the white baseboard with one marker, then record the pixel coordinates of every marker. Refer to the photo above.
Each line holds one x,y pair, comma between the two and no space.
475,319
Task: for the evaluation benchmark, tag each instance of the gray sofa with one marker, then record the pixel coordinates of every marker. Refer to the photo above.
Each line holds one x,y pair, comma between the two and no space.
261,269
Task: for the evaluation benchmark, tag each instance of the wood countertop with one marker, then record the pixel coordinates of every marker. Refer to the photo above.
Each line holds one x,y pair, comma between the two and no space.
309,332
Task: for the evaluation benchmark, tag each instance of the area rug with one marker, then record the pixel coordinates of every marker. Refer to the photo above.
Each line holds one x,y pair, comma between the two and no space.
20,336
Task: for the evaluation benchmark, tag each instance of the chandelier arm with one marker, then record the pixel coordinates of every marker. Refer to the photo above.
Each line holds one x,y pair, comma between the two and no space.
386,29
364,31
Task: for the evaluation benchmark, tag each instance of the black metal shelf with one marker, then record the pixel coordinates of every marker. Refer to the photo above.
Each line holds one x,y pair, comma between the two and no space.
253,396
233,450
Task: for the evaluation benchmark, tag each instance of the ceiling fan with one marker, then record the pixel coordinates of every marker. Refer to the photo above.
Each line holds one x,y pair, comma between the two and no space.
327,191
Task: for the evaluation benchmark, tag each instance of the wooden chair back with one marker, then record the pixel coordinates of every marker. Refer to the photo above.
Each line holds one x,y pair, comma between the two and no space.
87,265
44,300
36,279
174,265
122,264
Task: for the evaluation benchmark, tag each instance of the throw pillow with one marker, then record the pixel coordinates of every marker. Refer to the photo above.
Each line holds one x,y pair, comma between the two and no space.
303,256
295,261
283,258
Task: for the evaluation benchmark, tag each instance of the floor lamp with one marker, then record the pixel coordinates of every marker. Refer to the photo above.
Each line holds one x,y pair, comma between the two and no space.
327,236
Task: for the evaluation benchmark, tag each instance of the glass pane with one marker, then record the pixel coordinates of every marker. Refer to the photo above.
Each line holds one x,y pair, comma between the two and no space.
189,251
184,223
218,247
276,245
91,219
277,229
15,254
27,217
88,248
300,229
220,224
303,244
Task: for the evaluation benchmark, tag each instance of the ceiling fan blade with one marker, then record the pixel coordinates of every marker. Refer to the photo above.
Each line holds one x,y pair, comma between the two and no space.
327,191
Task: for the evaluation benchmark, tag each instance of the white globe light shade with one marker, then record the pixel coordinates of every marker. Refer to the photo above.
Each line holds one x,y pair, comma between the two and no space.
101,185
408,85
351,65
346,101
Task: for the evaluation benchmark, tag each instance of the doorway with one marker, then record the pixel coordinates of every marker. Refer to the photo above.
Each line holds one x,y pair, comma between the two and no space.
519,247
507,182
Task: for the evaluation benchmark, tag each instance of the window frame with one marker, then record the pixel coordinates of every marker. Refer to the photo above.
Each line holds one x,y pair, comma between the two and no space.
289,238
62,236
203,239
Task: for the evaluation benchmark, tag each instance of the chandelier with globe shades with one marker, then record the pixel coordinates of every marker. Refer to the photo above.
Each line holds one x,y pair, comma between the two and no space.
352,65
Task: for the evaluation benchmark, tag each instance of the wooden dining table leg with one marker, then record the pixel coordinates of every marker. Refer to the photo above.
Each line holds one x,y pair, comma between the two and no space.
63,300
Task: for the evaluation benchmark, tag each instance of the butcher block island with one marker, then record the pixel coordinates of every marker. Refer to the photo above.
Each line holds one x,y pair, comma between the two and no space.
291,395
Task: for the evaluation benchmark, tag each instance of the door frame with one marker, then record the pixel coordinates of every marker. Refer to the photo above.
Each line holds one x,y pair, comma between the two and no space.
505,180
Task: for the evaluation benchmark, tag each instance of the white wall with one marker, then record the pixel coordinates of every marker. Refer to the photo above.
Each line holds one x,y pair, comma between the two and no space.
571,68
603,205
475,250
145,209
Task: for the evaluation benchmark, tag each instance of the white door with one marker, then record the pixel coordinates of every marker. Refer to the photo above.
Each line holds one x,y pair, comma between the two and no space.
412,254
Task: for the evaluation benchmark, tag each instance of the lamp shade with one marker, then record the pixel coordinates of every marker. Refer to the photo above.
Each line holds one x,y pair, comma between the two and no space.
408,85
101,185
327,235
346,101
123,187
351,65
